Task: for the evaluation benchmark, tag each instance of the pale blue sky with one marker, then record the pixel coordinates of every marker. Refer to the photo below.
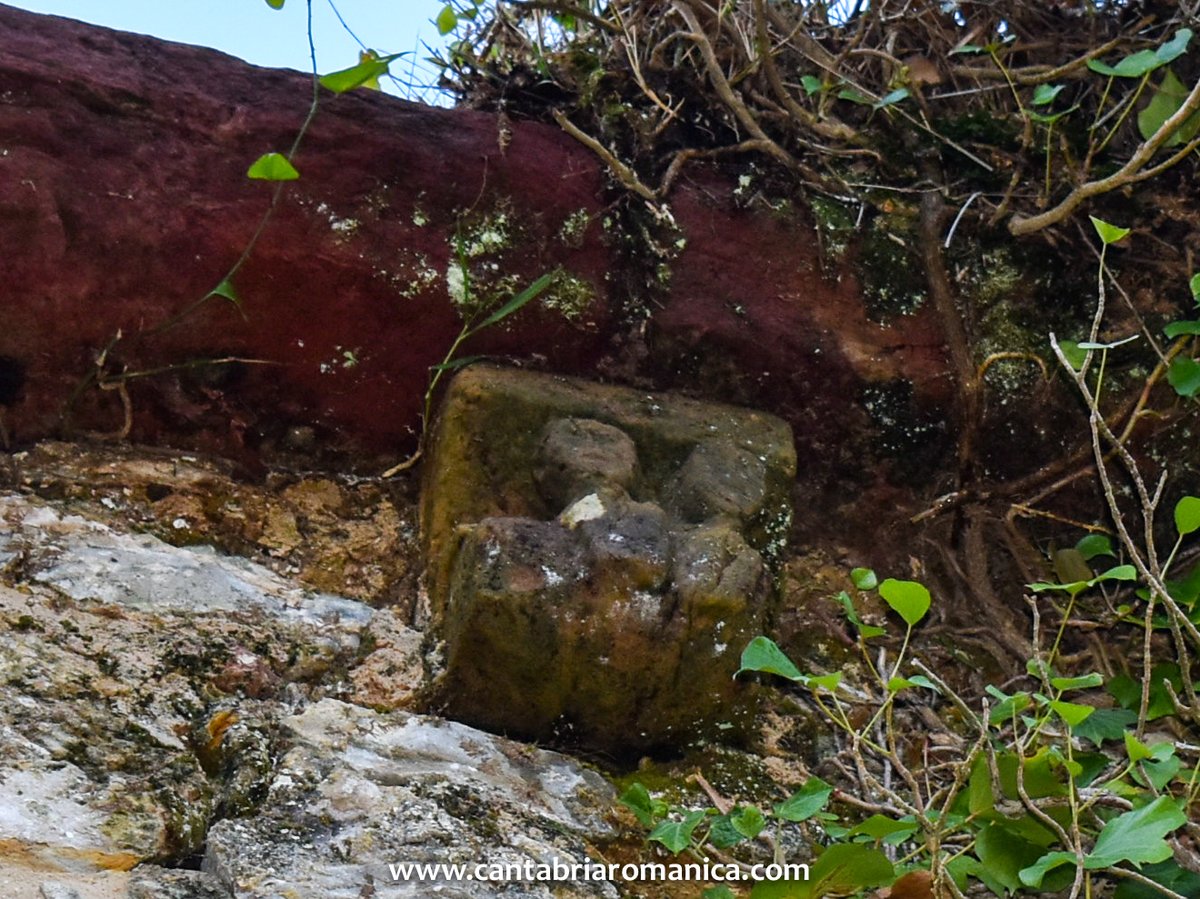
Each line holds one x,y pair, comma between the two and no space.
250,29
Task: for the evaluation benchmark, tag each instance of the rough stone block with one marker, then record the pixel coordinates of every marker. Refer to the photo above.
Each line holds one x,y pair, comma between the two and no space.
598,557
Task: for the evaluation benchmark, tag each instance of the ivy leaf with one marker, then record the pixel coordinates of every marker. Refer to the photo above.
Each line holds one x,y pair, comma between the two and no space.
1108,233
1082,682
805,802
1184,376
781,889
1160,769
272,167
1072,353
1073,713
1137,836
1138,64
896,684
847,868
1048,119
677,835
1044,94
447,20
1187,515
1070,566
1128,692
638,800
1177,329
1133,66
1095,545
1004,853
1166,101
1036,873
854,96
908,599
1008,705
748,821
365,74
1119,573
864,578
1169,874
1105,724
275,4
723,834
880,827
226,291
827,681
811,84
894,97
762,654
1175,47
867,630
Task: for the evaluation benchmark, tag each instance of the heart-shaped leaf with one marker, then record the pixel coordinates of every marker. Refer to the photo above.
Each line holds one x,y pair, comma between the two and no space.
1137,836
1184,376
1187,515
272,167
908,599
763,654
1108,233
805,802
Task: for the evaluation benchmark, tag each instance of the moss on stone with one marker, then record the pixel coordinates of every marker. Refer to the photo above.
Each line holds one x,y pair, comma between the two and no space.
892,276
574,228
569,295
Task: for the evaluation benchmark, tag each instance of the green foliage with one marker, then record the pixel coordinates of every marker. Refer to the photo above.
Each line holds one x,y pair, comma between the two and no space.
864,578
366,74
472,326
1044,94
452,14
1014,804
1187,515
908,599
1143,62
272,167
1184,375
226,291
762,654
805,802
1167,99
1108,233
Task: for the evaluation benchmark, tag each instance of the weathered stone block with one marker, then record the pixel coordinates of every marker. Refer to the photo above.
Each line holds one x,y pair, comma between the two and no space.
598,557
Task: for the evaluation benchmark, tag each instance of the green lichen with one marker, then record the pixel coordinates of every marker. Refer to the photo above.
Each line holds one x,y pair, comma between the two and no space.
415,276
343,228
477,251
995,280
574,227
835,225
570,296
893,278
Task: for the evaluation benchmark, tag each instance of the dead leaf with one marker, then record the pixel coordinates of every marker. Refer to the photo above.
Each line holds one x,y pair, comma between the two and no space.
914,885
